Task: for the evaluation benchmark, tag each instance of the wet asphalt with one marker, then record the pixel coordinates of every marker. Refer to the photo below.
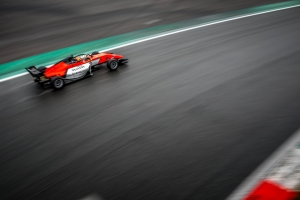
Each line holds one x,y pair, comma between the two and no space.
32,27
189,117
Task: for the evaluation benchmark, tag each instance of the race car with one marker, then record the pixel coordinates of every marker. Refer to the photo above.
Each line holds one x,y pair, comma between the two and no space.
74,68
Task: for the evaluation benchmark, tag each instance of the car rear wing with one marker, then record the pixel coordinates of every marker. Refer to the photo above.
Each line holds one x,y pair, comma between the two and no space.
37,74
34,71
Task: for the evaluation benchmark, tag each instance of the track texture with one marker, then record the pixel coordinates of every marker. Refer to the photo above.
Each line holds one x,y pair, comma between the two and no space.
189,117
32,27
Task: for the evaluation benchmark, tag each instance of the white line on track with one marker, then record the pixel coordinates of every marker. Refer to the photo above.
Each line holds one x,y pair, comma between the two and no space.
265,167
12,77
175,32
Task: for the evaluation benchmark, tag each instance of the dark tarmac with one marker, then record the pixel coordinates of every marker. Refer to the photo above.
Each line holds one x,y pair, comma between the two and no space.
33,27
189,117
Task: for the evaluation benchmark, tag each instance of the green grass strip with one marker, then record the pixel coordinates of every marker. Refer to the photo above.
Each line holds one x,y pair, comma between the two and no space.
17,66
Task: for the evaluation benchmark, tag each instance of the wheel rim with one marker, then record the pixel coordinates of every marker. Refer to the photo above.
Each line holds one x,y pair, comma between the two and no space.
114,65
58,83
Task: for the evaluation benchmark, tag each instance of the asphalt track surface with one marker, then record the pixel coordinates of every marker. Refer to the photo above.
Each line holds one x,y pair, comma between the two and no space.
189,117
32,27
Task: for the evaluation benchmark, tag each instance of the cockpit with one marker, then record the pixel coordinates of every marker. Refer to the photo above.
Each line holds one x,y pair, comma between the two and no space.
77,58
80,57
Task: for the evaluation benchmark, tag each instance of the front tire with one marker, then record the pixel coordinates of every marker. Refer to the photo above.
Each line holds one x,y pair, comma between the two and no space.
57,83
112,65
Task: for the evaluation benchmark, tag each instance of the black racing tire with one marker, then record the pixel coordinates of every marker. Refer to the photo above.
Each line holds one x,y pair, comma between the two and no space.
57,83
112,65
95,52
41,69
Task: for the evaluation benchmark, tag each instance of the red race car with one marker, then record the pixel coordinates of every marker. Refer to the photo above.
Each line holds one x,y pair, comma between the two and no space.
74,68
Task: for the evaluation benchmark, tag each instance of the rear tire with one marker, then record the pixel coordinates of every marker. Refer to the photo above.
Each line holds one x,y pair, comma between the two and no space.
57,83
41,69
112,65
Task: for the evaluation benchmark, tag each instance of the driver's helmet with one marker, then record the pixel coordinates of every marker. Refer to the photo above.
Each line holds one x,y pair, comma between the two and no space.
88,56
77,58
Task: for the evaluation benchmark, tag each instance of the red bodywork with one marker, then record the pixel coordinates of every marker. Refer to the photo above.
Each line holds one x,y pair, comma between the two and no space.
59,69
74,68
